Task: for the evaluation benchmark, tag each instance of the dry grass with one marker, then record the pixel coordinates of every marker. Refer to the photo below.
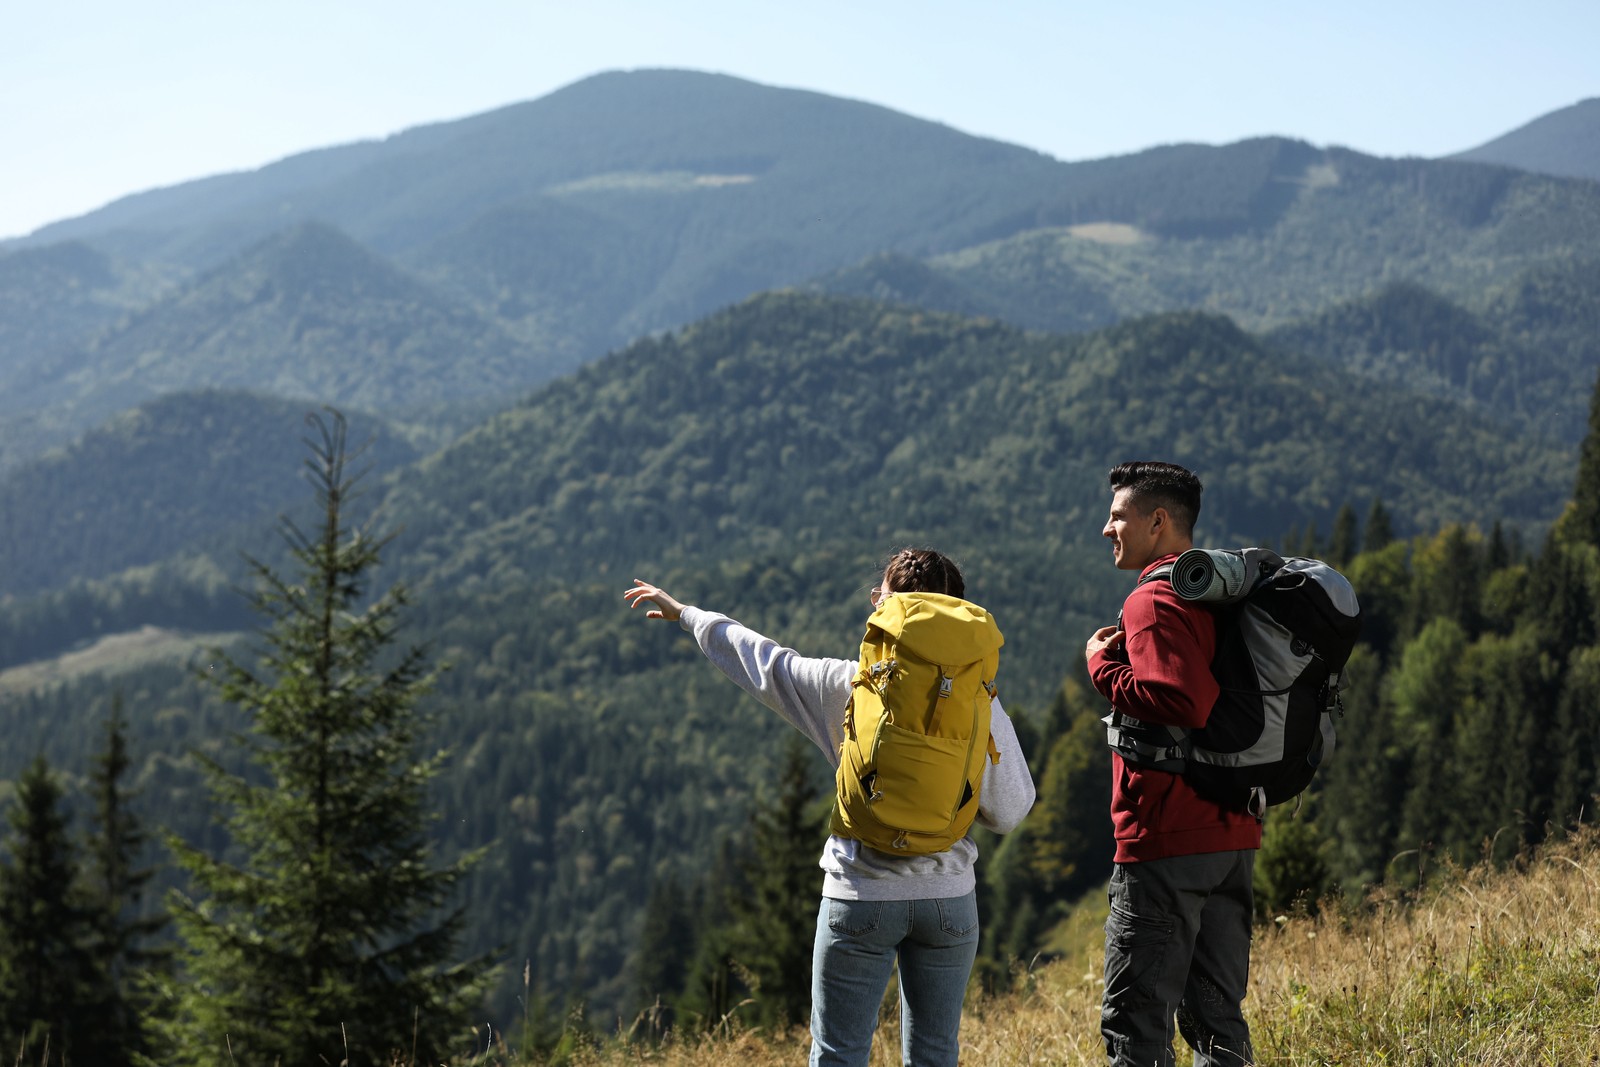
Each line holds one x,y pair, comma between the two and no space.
1486,968
1489,967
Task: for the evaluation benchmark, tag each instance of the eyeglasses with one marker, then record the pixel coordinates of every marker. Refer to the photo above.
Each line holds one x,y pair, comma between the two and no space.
877,593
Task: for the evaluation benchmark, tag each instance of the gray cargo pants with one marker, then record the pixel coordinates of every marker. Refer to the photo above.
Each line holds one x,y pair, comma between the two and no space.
1178,943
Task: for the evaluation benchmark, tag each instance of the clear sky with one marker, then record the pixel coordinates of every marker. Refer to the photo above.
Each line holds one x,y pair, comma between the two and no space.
101,98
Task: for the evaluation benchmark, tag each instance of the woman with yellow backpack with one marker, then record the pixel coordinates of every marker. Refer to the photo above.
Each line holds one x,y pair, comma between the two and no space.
921,749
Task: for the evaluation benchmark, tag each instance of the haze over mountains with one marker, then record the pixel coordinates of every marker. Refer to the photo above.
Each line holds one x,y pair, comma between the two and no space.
743,341
530,239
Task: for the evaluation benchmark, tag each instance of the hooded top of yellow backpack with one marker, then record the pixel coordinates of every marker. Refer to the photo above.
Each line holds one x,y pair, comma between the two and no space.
917,726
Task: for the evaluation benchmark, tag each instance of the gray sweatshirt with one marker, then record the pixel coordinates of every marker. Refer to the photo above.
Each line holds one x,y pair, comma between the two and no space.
811,695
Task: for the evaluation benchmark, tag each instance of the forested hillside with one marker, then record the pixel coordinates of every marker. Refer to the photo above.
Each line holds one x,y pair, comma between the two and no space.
1517,353
762,462
51,297
309,315
316,312
187,473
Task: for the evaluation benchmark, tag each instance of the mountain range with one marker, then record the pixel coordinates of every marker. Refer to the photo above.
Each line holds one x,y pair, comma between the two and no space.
528,240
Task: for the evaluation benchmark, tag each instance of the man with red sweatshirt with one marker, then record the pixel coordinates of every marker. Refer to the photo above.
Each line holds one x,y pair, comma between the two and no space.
1178,936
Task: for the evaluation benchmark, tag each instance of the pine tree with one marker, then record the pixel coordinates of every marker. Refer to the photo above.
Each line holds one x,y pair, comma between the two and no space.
1068,840
52,993
660,964
753,938
1578,725
1291,873
115,887
1061,850
1497,556
1342,542
1446,579
779,922
1291,541
1563,611
1379,530
1583,520
1363,784
1427,688
1502,771
713,986
1383,582
318,938
1310,545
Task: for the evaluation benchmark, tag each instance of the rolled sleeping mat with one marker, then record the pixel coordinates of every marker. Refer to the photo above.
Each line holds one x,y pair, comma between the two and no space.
1213,575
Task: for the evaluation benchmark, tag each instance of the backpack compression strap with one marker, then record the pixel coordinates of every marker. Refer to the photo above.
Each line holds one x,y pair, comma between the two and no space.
1148,744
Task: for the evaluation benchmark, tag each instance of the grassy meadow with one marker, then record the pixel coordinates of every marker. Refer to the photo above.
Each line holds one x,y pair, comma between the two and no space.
1484,967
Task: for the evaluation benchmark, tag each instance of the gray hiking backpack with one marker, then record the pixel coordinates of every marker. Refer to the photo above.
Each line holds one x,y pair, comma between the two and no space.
1285,628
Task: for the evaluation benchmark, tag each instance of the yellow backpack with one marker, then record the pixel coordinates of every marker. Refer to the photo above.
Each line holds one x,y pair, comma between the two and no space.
916,730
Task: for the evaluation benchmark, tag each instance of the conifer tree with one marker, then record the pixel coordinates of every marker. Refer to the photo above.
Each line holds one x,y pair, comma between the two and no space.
1446,579
779,921
660,963
1362,785
713,985
1291,873
1427,688
52,993
1291,541
1379,531
1497,556
753,938
115,890
1583,521
323,935
1068,841
1578,724
1310,545
1342,542
1383,583
1060,851
1563,611
1501,772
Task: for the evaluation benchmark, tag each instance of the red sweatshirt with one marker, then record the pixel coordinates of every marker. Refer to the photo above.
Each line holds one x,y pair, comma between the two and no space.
1162,674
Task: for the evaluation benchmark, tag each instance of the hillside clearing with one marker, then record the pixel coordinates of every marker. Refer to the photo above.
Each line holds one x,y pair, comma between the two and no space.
112,654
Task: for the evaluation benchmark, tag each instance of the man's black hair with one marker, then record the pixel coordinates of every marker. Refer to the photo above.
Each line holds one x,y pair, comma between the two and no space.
1160,485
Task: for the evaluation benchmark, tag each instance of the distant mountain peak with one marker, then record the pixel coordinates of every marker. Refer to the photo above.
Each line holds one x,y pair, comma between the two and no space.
318,258
1565,143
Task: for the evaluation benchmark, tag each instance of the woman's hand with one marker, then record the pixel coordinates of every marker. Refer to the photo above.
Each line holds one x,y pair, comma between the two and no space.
665,606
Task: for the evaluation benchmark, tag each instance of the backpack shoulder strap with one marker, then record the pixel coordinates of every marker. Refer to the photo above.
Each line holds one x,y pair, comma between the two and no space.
1162,572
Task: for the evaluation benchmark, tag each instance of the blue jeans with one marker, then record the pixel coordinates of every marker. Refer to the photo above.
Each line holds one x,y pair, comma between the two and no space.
1178,945
858,942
